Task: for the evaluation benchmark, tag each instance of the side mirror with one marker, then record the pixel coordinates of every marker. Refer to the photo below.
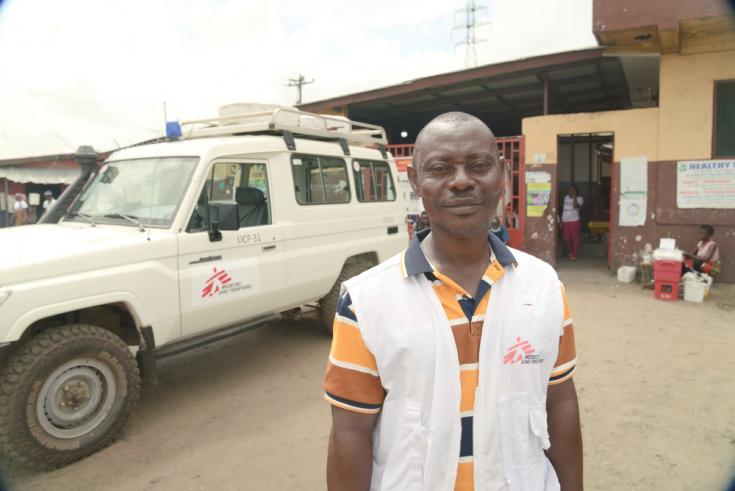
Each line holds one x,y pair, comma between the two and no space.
222,216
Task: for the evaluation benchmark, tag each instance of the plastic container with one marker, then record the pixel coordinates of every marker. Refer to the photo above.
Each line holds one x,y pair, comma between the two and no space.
626,274
666,290
694,291
702,279
667,270
668,255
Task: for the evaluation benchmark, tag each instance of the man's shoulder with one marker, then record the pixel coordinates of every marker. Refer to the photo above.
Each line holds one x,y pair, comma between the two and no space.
378,273
528,264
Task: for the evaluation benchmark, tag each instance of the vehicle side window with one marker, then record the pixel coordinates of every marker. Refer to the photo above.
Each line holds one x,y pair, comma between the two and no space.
240,183
320,180
373,181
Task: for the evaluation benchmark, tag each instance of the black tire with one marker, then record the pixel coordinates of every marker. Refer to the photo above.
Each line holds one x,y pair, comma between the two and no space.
328,304
65,394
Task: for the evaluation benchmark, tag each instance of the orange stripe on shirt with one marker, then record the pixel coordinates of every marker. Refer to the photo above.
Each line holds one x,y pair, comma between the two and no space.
353,385
348,346
465,477
468,380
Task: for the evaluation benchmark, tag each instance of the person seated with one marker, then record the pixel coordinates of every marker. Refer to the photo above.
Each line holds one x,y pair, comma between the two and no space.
705,258
499,230
423,222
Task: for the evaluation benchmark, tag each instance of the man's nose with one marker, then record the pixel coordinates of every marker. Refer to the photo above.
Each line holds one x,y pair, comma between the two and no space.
461,179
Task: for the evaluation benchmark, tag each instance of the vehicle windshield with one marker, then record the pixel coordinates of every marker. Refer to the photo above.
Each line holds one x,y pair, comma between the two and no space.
138,192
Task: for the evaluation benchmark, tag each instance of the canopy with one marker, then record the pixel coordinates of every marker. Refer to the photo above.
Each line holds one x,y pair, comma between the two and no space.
39,176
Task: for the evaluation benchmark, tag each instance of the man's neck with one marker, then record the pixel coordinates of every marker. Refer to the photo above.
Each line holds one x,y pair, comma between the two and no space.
458,252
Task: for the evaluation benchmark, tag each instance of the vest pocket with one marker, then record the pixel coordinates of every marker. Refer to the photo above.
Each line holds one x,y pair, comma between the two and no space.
405,464
524,433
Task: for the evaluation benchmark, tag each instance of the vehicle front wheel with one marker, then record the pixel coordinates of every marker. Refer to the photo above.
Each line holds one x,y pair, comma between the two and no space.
65,394
328,304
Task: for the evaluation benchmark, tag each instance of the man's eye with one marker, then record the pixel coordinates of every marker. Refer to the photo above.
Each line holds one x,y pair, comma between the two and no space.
481,166
438,169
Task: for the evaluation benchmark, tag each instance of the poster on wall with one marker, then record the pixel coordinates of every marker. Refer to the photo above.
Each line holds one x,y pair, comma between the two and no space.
538,193
705,184
633,191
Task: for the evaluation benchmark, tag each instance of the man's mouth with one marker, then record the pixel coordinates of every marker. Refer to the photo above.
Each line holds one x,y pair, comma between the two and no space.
462,203
462,207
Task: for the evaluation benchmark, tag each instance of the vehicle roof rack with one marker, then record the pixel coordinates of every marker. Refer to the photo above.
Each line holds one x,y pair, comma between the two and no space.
289,123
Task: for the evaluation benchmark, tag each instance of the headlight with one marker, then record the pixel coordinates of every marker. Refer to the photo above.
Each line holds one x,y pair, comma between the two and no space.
4,294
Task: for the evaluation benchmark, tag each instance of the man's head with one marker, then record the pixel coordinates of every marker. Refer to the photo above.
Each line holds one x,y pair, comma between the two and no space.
20,197
573,191
424,217
495,222
457,174
48,194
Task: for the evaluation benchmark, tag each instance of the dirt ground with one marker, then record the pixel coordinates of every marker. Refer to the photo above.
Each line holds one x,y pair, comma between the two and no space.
655,384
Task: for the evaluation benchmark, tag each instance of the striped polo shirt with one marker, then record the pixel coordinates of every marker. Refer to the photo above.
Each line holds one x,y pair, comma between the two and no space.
352,380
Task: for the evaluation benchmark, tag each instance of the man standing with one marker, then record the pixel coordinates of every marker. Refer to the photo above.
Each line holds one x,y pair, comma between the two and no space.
20,210
451,363
48,200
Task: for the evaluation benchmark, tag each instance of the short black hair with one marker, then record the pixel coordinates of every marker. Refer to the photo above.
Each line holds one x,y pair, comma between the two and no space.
708,229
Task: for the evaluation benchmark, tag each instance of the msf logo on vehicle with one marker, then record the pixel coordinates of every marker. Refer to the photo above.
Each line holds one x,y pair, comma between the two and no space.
522,352
215,283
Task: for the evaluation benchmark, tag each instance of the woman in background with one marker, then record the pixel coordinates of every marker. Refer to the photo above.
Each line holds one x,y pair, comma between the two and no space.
705,258
570,221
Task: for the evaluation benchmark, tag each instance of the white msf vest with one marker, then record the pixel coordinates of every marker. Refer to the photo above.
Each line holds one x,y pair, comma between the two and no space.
416,441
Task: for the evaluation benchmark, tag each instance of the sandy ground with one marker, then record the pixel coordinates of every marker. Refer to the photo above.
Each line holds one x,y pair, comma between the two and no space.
655,384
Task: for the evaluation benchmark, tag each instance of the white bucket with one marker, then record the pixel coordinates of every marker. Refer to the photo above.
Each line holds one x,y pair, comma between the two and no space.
626,274
694,291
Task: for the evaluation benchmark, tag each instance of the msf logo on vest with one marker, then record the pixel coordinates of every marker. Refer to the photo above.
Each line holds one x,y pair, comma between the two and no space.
522,352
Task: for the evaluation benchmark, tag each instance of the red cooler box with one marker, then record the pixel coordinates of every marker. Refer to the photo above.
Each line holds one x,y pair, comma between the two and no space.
666,290
667,270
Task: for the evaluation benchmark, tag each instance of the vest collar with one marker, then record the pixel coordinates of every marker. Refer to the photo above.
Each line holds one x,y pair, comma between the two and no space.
414,262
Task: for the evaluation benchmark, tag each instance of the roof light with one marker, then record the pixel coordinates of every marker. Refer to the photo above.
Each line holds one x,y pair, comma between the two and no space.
173,130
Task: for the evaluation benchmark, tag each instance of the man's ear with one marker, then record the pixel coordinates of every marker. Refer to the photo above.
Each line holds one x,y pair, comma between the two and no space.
413,179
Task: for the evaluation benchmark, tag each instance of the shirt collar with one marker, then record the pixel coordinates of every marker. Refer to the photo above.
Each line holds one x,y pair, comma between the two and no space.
414,261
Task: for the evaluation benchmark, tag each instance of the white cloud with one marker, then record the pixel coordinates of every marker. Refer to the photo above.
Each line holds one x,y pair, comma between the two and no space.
97,71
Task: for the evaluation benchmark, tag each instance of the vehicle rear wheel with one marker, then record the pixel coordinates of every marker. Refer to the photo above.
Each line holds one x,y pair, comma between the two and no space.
328,304
64,395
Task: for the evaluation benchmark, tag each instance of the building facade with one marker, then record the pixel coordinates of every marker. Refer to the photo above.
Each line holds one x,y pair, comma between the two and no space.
644,126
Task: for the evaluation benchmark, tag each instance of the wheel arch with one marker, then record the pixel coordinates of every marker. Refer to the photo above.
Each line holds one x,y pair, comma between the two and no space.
120,314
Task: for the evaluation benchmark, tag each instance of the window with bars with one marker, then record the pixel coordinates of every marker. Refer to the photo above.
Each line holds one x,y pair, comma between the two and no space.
320,180
373,181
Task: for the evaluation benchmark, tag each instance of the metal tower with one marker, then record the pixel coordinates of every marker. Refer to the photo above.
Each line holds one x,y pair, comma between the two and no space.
469,26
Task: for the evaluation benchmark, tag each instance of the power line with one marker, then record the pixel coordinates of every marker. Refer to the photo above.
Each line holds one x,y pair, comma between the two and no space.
469,26
298,83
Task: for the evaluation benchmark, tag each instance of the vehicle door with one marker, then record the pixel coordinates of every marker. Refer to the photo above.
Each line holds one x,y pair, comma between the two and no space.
235,278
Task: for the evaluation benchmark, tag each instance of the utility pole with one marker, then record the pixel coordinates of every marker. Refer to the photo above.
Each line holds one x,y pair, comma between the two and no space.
298,83
469,26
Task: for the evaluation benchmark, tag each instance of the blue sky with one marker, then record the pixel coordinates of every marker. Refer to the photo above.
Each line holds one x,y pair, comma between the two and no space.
97,71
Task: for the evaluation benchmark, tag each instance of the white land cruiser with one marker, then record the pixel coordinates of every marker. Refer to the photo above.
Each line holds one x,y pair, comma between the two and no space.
174,244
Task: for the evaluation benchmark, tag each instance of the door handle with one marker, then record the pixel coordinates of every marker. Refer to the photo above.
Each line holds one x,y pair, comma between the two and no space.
206,259
269,247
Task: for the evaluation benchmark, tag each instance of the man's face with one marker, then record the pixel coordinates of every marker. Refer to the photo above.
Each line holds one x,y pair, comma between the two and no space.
458,177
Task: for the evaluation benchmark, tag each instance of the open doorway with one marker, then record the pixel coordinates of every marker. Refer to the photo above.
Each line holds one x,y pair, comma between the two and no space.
585,163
